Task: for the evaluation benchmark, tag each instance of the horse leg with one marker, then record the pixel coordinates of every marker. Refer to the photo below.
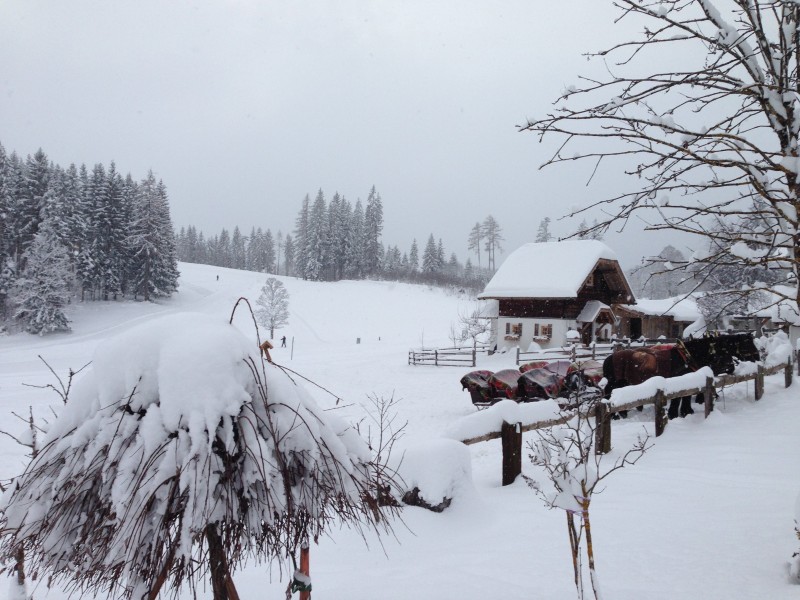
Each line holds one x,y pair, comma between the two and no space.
673,410
686,406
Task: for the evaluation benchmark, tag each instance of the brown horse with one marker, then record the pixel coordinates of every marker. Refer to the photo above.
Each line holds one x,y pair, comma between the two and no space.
633,366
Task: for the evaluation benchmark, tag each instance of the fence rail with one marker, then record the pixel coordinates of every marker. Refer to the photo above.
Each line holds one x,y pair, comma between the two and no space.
593,352
446,357
511,433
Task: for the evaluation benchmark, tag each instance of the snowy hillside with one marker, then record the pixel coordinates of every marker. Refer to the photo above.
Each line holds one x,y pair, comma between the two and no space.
707,513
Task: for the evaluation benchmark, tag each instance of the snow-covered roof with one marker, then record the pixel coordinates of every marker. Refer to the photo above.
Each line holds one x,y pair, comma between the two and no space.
547,270
591,310
680,308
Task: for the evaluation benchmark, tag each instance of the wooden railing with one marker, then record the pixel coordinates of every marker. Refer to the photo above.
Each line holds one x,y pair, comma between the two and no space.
446,357
511,433
595,351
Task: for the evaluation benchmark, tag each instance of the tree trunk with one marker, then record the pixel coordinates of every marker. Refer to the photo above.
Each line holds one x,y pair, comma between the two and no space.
221,582
589,548
575,547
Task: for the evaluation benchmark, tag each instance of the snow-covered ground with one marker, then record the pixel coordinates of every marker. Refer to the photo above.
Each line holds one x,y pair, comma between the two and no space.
707,513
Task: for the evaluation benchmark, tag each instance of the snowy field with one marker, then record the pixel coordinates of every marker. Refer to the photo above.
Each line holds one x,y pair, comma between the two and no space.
707,513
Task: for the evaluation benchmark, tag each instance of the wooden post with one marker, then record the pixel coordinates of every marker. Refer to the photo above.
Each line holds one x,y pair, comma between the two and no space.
511,436
759,386
517,354
661,412
594,351
304,568
473,358
436,358
797,362
602,431
787,374
708,395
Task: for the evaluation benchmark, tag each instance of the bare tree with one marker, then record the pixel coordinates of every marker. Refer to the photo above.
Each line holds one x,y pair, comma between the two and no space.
475,239
273,305
474,324
712,135
575,472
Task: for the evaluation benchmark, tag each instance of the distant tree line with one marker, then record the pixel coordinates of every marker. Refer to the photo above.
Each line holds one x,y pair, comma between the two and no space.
75,232
332,241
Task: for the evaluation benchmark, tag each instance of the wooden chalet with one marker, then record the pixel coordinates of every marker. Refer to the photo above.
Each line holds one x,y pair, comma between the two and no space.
655,318
545,290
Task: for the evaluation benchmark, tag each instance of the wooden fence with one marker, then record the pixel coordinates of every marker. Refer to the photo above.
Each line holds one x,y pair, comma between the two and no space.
593,352
446,357
511,433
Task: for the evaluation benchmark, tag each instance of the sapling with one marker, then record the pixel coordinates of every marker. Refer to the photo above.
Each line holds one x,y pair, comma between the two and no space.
574,469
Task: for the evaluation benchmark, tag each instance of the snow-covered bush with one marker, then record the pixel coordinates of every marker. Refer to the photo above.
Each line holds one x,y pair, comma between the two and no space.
436,472
180,447
776,348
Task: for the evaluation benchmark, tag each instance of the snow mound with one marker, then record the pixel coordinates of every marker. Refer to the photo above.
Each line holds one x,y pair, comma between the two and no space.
439,468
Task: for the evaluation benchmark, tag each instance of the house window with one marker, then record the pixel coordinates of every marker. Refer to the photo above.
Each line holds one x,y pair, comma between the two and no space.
513,331
542,331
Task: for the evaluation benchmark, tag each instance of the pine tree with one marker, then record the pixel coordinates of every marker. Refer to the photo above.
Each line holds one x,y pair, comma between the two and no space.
42,292
152,242
355,245
544,235
373,226
269,252
475,239
301,247
413,258
238,250
430,257
492,233
289,255
317,239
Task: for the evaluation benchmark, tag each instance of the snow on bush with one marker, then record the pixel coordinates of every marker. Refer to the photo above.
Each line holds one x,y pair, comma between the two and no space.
439,469
777,348
180,426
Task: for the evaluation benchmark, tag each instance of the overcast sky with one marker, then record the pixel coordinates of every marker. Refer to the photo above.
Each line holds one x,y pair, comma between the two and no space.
243,107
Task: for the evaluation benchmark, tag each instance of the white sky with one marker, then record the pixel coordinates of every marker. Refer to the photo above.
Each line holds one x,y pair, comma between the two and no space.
243,107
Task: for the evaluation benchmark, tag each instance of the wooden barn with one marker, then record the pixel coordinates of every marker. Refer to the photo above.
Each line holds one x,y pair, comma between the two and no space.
547,292
655,318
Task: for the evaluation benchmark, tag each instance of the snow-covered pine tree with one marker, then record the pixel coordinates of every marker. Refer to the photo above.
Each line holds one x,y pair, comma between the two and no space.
543,234
152,242
288,255
43,290
355,245
237,249
301,247
430,258
344,220
492,233
413,258
475,239
373,227
269,252
317,238
272,306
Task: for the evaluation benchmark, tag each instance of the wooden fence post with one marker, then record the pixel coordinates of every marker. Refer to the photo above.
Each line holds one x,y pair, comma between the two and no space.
436,358
473,357
517,354
759,386
602,428
787,374
708,395
661,412
511,436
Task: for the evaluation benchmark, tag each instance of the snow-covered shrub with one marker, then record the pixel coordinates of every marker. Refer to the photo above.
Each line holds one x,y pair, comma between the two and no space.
776,348
180,442
436,472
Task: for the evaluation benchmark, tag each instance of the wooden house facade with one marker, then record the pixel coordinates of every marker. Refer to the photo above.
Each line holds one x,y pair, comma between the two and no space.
546,290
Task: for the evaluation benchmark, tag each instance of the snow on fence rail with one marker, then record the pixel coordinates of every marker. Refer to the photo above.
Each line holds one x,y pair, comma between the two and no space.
507,420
